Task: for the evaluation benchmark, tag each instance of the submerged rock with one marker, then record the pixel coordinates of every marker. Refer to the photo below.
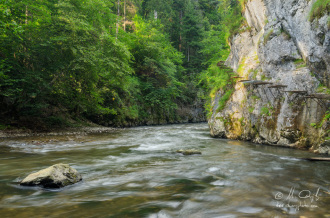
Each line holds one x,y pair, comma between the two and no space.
189,151
317,159
56,176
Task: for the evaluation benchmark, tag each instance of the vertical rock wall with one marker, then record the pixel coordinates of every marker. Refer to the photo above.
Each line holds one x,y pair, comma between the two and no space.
280,46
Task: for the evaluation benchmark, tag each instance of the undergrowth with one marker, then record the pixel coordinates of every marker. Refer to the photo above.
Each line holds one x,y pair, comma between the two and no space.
241,67
325,119
267,36
265,111
323,89
319,9
300,63
223,100
251,109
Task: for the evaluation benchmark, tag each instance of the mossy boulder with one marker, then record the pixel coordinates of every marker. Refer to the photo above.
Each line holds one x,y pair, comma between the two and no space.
56,176
189,151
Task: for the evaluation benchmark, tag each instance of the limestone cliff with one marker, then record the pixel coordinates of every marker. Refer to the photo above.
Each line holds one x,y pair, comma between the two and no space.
280,46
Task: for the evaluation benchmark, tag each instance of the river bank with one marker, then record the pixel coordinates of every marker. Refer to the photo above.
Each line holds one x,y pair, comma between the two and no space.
88,128
78,133
81,126
67,131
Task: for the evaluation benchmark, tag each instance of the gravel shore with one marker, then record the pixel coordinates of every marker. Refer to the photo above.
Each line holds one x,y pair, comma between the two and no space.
66,131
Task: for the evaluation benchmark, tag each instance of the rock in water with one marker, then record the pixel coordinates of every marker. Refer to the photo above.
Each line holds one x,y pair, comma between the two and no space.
56,176
188,152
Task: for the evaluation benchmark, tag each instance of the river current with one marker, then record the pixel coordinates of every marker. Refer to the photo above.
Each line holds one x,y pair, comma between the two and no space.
136,172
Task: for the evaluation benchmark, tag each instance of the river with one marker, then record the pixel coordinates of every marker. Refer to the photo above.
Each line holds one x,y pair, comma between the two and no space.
137,173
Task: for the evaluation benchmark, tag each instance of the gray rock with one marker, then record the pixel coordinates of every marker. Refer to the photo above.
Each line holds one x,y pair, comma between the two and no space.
282,47
189,151
291,135
56,176
324,148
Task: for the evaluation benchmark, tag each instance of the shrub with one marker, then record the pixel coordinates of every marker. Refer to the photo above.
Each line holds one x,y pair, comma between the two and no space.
251,109
241,67
223,100
267,35
300,63
255,73
254,97
264,77
265,111
319,8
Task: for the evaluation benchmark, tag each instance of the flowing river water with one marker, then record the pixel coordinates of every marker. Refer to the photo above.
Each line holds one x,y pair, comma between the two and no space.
137,173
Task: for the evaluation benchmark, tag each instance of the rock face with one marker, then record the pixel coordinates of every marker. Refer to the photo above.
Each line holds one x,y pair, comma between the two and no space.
284,48
56,176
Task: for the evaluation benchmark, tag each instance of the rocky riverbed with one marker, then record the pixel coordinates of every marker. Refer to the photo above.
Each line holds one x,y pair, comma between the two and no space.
136,172
58,132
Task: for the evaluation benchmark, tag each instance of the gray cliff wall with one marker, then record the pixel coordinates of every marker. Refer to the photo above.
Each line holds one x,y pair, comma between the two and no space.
283,47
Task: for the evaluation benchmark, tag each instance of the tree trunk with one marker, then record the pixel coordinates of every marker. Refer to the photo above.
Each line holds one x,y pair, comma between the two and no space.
117,26
26,15
125,15
155,14
180,38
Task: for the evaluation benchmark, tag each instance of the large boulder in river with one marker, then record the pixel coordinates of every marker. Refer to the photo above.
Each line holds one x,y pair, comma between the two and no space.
56,176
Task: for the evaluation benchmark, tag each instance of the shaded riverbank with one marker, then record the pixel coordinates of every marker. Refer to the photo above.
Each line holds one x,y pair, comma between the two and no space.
55,132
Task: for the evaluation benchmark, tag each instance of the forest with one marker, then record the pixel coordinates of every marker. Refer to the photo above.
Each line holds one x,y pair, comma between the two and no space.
112,62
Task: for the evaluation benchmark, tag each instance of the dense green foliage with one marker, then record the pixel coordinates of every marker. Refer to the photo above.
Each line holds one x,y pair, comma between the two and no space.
78,59
216,50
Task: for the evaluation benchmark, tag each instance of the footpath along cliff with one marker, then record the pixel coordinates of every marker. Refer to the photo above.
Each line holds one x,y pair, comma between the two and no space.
285,55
